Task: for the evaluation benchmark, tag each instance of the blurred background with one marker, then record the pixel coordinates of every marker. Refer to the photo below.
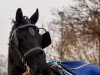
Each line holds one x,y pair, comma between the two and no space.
74,26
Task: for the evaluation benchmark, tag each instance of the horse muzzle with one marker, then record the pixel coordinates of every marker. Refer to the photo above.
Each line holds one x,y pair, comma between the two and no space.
36,50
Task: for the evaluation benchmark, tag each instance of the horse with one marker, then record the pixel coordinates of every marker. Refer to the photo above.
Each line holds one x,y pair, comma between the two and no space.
26,46
26,53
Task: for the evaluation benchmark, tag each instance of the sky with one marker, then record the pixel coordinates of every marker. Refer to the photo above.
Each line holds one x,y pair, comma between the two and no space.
8,11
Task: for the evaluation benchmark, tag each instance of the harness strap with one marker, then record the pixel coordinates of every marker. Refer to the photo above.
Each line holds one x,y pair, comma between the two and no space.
57,67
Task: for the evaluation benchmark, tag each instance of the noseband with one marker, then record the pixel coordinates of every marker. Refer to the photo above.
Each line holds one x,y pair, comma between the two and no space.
22,57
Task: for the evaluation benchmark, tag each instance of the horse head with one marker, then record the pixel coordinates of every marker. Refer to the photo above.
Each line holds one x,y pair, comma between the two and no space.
26,39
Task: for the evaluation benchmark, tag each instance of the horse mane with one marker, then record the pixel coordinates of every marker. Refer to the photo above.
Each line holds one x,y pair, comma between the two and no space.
13,27
11,51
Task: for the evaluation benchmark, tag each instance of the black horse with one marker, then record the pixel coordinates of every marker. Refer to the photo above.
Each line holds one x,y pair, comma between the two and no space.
26,46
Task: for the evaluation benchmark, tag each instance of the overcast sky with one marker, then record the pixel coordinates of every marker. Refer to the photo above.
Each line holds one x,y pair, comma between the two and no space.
8,9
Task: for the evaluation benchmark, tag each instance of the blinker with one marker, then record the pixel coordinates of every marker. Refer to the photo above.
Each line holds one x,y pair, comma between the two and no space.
31,31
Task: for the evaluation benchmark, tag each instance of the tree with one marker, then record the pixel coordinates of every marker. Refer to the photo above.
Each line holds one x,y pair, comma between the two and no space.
79,29
3,65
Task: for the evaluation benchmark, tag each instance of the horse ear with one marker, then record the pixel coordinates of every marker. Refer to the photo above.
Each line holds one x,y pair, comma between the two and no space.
19,16
35,17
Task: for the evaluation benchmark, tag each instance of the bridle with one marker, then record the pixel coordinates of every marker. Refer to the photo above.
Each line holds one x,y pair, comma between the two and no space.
22,57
